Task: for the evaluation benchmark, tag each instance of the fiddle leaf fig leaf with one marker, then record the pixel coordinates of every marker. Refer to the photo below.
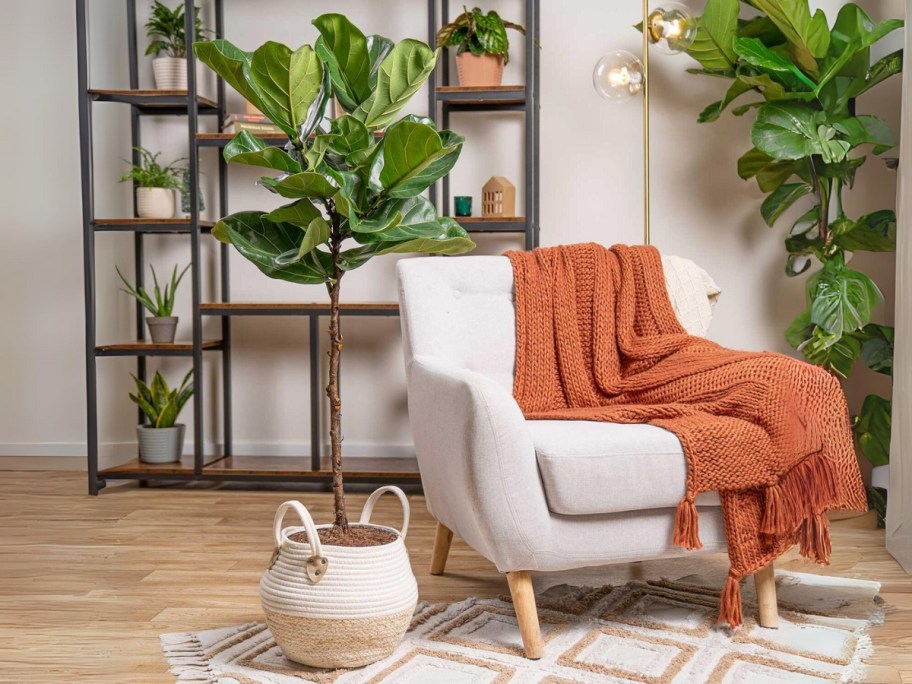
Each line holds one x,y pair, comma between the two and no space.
415,156
879,72
875,232
400,219
344,50
716,29
246,148
264,242
232,64
299,213
290,82
867,130
786,131
754,52
305,184
401,73
808,36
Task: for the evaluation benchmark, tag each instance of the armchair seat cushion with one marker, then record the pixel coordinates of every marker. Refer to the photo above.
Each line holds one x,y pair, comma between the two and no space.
591,468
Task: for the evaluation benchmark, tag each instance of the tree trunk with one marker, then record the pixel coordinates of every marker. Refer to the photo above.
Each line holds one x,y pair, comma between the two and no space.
332,389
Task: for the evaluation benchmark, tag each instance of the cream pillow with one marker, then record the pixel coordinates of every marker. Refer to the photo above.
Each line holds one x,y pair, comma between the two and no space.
692,292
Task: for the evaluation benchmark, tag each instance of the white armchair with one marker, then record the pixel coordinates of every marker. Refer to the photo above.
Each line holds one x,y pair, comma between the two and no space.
535,495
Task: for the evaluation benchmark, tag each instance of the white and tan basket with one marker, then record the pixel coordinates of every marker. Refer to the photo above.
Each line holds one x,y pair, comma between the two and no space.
336,606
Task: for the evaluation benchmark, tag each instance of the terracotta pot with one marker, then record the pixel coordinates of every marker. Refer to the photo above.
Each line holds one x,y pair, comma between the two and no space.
480,72
155,202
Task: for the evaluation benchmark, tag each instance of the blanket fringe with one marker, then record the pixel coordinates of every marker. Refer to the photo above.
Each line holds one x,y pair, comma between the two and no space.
730,605
807,489
686,526
814,538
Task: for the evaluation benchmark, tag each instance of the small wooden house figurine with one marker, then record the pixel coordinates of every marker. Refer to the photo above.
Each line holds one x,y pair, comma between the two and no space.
498,198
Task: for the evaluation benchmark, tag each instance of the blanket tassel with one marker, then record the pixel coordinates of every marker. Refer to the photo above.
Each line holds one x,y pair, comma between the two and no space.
730,606
814,538
686,529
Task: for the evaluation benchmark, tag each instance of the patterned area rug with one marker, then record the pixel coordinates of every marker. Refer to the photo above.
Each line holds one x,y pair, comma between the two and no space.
660,632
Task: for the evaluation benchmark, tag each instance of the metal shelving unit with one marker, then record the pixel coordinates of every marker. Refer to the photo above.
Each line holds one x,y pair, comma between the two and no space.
443,99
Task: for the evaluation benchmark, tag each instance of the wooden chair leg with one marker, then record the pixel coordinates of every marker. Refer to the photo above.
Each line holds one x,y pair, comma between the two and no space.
442,539
526,614
765,583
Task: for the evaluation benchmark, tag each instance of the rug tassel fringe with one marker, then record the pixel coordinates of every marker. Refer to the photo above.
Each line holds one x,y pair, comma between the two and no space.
187,658
730,606
686,527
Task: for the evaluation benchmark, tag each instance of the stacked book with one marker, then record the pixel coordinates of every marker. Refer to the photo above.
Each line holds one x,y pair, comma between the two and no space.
257,124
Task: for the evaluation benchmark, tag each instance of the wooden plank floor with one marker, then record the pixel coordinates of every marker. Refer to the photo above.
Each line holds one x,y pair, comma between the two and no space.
88,583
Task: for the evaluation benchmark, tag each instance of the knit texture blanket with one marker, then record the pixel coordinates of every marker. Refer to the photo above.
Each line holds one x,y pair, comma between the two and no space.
597,339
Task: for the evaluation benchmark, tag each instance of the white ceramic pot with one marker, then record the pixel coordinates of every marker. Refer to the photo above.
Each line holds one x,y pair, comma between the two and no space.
336,606
155,202
160,445
480,71
170,73
162,329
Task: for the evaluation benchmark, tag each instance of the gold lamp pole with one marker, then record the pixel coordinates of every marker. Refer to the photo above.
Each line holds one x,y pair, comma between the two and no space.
619,75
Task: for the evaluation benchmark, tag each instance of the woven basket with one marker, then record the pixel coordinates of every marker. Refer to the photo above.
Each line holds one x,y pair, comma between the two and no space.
335,606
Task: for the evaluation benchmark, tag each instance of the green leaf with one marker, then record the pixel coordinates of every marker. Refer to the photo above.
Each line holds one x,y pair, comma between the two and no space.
305,184
290,82
800,330
763,28
233,65
350,136
451,239
841,299
873,429
802,242
351,197
317,150
299,213
713,111
781,199
867,130
343,49
874,232
716,30
877,349
852,36
879,72
414,156
316,234
834,353
786,131
401,74
378,47
808,36
400,219
755,53
264,243
248,149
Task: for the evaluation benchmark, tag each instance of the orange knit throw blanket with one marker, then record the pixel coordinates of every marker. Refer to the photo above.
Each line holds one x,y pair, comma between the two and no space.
597,339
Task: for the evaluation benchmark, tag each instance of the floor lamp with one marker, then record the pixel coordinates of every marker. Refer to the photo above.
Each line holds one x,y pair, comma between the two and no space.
620,75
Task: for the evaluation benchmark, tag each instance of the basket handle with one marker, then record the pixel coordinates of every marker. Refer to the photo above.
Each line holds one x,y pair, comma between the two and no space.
372,499
312,537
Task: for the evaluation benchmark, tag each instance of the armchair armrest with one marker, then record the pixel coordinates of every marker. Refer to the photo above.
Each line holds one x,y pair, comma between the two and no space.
477,460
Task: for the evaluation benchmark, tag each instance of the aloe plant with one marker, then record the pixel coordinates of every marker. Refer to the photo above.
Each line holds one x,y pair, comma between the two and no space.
160,403
802,77
356,189
163,303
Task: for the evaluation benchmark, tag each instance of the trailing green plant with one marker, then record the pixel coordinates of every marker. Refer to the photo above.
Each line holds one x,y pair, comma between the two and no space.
160,403
167,32
150,174
478,33
356,189
163,302
802,78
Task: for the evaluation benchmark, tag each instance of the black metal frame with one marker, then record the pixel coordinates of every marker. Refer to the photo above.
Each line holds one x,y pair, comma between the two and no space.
192,106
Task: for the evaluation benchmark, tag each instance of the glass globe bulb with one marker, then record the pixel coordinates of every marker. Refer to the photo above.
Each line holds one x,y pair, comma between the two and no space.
618,76
671,28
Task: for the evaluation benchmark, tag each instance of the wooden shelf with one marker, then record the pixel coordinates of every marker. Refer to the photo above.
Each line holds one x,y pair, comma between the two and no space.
182,467
147,225
143,348
486,98
155,101
296,309
222,139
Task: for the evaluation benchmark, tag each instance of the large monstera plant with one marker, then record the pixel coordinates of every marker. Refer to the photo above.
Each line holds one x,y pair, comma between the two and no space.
802,77
355,190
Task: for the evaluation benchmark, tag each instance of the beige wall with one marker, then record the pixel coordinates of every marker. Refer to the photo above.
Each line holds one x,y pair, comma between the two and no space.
591,170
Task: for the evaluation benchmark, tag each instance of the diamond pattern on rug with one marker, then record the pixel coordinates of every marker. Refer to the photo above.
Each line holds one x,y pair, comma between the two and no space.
659,632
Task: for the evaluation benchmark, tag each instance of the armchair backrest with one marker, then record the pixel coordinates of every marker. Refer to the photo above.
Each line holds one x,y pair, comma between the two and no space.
460,310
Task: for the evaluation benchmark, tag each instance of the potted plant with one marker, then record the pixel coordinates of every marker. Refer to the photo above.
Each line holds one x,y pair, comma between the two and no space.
168,44
162,440
155,185
162,325
340,595
482,46
808,142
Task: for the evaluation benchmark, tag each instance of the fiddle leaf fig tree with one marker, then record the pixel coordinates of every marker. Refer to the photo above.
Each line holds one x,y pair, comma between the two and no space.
802,76
355,190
